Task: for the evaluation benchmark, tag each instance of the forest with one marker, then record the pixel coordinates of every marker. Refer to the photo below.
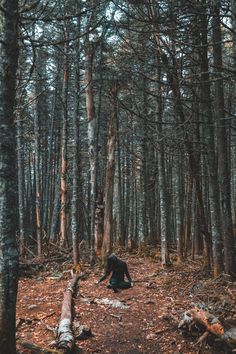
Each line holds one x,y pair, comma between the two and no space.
117,136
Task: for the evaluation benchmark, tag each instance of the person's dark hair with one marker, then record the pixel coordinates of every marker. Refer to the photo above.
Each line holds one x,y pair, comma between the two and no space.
111,261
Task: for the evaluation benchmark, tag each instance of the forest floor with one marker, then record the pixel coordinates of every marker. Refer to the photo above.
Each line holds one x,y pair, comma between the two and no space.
142,319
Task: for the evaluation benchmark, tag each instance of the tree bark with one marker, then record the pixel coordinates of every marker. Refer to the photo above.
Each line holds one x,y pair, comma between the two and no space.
37,180
75,162
65,337
223,143
179,209
210,141
110,172
8,176
121,222
20,165
92,126
233,20
63,212
99,219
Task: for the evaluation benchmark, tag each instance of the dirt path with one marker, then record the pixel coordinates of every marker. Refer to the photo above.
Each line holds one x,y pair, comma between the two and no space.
146,322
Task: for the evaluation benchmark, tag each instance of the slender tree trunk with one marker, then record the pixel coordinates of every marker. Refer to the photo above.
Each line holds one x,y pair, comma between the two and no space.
8,176
165,260
223,156
30,198
163,196
51,159
90,107
191,200
41,139
20,165
37,180
121,223
110,172
212,163
163,208
75,163
145,171
99,204
136,230
63,185
179,209
132,200
55,211
127,176
99,219
233,19
50,172
75,187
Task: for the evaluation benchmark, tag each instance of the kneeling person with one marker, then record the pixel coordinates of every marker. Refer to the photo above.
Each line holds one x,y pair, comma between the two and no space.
119,269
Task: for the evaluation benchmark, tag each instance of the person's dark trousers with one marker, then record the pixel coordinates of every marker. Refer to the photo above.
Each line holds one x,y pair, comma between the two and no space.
116,284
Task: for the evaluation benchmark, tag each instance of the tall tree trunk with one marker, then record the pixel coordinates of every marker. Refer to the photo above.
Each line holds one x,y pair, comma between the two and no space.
165,259
145,171
63,185
75,162
20,166
188,226
37,123
233,19
212,162
223,142
50,170
163,207
136,229
121,223
110,172
127,177
56,209
132,200
179,208
161,160
90,107
99,220
8,179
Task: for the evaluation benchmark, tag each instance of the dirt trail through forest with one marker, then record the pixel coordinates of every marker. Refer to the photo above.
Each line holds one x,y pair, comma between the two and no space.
143,319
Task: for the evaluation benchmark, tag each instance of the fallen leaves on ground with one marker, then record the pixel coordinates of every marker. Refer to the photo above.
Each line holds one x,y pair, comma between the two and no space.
142,319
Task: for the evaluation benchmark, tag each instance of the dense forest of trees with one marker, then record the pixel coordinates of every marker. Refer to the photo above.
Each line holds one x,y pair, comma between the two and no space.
125,129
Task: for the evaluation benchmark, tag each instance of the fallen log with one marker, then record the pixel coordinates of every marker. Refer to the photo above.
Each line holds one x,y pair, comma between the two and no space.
211,324
65,337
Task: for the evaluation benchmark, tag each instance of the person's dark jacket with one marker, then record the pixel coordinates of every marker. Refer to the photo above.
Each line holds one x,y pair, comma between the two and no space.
118,268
